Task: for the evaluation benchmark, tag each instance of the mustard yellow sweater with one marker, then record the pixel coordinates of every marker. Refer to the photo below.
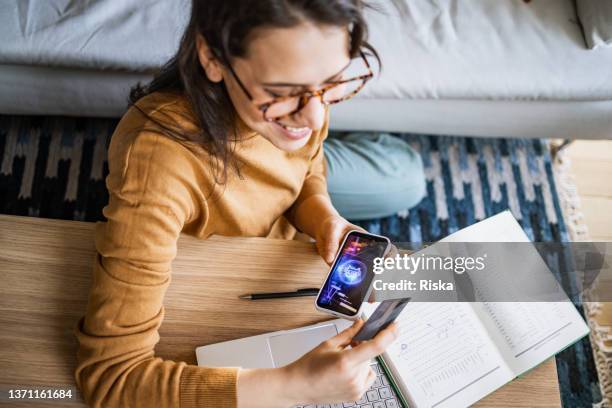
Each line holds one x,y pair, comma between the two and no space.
159,188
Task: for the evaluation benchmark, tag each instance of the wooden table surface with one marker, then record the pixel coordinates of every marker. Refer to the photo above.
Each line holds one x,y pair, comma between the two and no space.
45,271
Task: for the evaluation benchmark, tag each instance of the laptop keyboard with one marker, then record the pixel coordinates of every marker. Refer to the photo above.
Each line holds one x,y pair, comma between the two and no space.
380,394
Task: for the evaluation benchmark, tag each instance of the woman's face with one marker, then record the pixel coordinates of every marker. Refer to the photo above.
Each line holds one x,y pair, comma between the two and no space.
279,62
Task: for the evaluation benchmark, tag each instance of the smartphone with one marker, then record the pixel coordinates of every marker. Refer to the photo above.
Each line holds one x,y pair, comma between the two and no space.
349,281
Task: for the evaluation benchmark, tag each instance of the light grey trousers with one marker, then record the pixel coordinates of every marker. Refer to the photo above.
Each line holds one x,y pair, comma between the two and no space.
372,175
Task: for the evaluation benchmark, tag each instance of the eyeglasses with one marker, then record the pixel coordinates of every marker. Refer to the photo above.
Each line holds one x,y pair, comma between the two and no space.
336,91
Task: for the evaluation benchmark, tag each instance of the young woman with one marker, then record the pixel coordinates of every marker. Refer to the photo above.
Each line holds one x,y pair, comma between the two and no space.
228,139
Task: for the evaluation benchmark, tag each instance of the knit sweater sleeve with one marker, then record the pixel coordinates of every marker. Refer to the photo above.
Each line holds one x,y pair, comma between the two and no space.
152,194
315,181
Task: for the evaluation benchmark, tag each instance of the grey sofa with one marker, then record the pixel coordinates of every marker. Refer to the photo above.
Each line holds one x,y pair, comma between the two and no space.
503,68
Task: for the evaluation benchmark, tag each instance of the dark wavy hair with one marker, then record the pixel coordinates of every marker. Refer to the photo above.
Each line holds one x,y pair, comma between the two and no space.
226,25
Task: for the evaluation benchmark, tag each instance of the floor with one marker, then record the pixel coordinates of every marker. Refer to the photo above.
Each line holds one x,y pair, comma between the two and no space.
591,166
591,163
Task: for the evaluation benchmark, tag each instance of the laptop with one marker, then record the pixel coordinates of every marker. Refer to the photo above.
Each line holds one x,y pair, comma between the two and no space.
280,348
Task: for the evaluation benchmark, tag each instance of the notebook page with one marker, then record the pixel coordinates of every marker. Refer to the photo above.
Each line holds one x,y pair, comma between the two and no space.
444,357
528,333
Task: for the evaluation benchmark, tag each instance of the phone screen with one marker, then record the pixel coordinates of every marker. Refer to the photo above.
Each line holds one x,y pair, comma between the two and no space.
351,274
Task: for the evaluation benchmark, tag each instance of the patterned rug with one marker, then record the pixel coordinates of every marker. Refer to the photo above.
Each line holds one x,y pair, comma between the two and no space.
54,167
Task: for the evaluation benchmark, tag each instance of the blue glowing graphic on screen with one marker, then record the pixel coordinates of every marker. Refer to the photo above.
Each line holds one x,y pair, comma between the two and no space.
352,272
347,284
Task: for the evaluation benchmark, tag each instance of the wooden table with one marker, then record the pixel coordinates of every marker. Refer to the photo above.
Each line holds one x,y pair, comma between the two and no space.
45,270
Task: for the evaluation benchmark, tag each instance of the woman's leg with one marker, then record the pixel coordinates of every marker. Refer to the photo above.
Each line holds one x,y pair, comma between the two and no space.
371,175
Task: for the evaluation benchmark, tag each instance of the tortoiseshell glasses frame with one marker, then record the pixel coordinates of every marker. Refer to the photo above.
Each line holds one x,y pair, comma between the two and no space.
304,97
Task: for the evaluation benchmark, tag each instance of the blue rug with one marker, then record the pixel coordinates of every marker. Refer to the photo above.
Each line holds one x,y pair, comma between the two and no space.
54,167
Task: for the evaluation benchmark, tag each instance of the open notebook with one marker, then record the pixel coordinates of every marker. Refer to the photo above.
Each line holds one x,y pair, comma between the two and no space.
454,354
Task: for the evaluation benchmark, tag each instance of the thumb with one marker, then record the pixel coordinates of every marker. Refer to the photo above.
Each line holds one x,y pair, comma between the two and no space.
392,251
328,245
344,338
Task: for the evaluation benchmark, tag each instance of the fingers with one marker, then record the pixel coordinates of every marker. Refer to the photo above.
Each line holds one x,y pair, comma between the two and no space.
367,379
392,251
336,228
356,227
355,343
370,379
344,338
330,243
372,348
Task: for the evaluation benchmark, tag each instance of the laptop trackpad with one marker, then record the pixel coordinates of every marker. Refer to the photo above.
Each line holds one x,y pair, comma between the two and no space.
288,347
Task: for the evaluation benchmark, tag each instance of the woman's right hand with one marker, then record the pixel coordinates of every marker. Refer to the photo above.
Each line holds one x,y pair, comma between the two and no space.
334,373
329,373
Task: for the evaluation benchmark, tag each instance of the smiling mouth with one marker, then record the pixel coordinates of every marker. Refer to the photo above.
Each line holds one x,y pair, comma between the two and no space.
294,132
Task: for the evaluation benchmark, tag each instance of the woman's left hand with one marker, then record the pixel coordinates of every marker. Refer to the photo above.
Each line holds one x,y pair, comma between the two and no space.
330,234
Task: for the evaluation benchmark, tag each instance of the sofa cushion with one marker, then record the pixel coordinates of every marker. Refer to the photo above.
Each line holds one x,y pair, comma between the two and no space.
134,35
485,50
596,19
